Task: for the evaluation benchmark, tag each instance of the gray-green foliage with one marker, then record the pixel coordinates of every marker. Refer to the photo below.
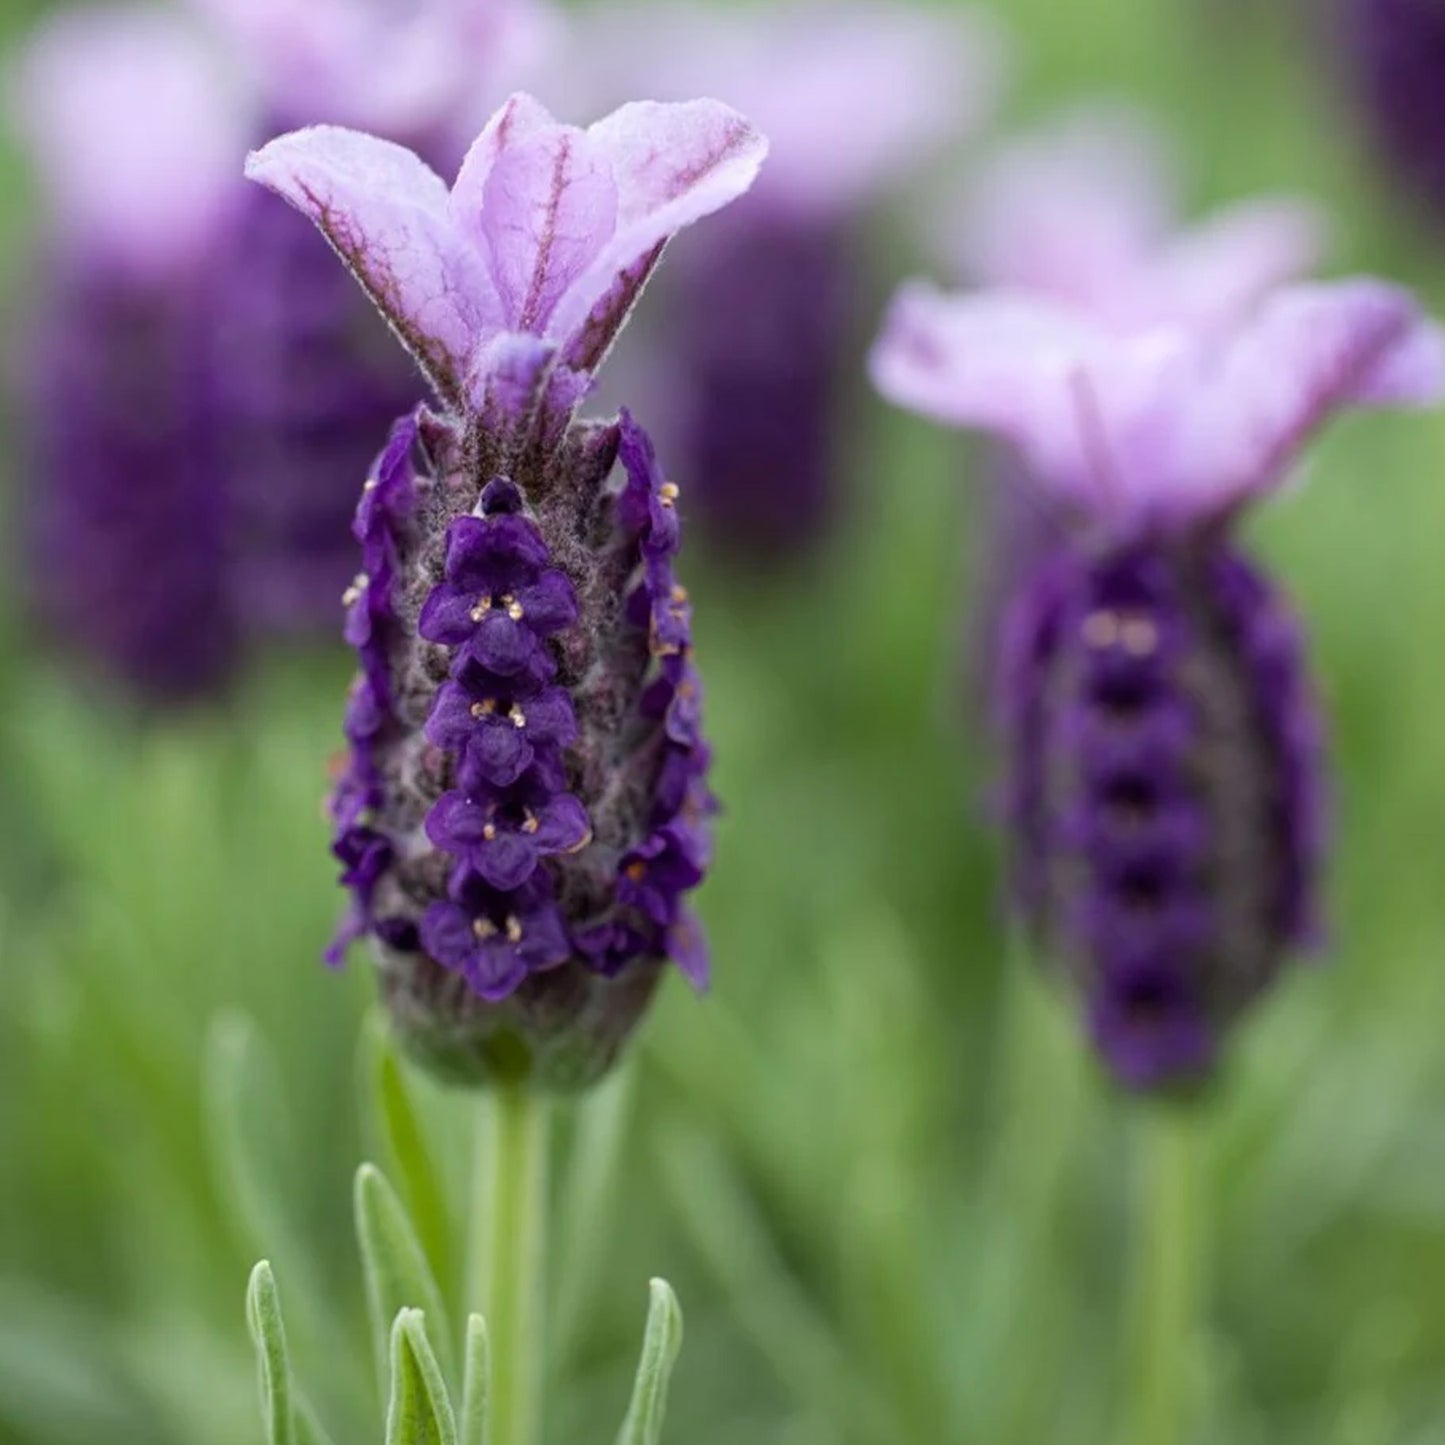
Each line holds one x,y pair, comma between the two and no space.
416,1343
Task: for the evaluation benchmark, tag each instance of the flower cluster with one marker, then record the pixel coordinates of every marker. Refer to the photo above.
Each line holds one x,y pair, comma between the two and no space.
1081,213
1165,756
524,805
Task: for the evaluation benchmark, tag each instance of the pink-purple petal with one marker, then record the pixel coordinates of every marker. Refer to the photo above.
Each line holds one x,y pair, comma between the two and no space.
387,215
672,165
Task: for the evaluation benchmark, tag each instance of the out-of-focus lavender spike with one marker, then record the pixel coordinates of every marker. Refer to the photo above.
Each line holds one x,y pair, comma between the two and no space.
1082,212
1165,760
1394,52
207,390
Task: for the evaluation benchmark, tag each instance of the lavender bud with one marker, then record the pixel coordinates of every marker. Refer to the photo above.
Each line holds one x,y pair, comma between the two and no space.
1165,790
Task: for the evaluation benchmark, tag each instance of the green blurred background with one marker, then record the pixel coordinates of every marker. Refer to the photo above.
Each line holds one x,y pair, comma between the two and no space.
894,1195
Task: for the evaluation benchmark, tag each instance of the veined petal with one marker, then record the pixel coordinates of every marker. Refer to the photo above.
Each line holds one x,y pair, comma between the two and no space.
671,165
386,213
538,201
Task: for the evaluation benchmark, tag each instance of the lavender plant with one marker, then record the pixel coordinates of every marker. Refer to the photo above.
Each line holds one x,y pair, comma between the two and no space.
1165,769
524,804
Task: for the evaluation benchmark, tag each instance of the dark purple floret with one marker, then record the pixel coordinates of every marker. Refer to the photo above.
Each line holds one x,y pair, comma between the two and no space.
766,312
1165,791
1395,50
524,805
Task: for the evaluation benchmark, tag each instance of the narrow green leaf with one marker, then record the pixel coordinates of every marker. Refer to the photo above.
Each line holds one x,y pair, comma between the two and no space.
660,1344
246,1112
263,1315
287,1418
397,1274
403,1136
420,1412
477,1385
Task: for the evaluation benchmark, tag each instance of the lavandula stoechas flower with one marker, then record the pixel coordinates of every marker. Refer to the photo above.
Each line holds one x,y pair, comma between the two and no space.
525,801
1165,756
766,311
1394,51
135,129
1082,212
204,389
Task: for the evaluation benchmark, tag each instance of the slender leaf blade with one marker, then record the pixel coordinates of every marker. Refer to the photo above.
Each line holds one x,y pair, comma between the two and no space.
475,1424
420,1411
660,1345
395,1265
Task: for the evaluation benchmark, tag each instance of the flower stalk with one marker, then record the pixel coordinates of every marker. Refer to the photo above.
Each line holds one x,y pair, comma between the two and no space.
509,1256
1165,1292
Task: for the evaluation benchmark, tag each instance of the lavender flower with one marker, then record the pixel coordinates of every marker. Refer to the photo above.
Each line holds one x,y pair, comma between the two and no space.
1394,50
767,309
525,803
1082,212
205,388
126,537
1165,769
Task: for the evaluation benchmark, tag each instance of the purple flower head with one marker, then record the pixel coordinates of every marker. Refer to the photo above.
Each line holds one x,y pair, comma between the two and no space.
1165,782
1082,213
525,730
1393,51
767,312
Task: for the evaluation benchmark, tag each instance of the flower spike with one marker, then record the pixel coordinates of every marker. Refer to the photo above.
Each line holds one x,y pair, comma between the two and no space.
524,805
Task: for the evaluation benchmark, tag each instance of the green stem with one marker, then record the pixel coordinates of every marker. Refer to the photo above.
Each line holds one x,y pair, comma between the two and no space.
1165,1296
509,1258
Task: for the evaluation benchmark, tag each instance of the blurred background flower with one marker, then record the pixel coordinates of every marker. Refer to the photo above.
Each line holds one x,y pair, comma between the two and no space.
205,386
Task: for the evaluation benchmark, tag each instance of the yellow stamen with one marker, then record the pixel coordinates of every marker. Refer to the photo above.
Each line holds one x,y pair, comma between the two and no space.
1139,635
1101,629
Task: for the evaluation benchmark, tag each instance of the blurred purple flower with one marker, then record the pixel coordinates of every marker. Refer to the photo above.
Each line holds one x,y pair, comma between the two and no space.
1083,212
765,311
1394,50
525,804
1165,746
207,390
